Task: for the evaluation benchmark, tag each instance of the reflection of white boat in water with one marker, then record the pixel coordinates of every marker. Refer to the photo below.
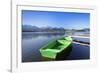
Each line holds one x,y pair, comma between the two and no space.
82,40
81,43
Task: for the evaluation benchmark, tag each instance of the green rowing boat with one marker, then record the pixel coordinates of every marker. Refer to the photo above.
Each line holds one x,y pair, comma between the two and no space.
52,49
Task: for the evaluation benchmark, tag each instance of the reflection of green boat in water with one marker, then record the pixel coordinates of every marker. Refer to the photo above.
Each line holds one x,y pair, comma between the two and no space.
55,48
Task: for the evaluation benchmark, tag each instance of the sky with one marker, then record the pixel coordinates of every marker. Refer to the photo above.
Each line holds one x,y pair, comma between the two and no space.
67,20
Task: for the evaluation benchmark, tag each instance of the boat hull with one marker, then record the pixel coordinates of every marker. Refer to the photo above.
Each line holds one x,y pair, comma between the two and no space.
59,56
63,47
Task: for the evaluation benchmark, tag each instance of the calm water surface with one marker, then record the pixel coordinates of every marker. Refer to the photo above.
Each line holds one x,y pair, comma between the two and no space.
32,42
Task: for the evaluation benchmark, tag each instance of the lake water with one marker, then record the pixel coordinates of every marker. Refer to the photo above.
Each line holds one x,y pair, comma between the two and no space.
32,42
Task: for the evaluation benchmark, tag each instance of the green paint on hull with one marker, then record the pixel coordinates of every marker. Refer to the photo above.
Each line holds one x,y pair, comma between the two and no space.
55,47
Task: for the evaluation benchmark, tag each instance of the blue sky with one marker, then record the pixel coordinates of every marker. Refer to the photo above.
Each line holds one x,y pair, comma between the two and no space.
68,20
